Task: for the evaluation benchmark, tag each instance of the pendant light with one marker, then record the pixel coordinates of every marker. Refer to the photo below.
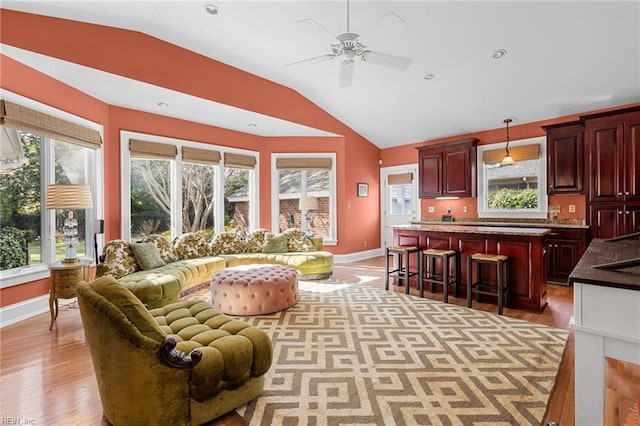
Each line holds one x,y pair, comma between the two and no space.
507,160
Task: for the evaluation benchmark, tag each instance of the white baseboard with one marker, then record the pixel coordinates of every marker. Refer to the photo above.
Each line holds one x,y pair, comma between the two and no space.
23,310
361,255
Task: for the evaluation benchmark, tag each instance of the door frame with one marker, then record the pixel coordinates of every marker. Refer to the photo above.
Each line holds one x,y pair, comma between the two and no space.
392,170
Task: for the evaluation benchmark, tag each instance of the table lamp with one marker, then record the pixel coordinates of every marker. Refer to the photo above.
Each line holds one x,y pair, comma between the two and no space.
306,204
69,197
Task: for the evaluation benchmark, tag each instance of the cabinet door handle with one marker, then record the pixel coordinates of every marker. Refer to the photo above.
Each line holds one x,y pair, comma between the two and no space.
620,194
626,193
619,211
627,212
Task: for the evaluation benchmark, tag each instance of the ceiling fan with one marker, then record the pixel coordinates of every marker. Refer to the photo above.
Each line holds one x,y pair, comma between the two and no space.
349,47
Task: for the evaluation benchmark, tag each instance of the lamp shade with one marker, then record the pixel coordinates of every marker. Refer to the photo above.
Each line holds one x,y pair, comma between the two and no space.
69,197
308,203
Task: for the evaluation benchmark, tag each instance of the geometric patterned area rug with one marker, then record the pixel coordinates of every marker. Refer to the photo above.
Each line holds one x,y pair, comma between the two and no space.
352,354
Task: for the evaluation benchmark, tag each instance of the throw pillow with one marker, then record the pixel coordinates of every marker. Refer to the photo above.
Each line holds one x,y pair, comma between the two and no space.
274,243
147,255
255,240
164,247
229,242
190,246
118,259
298,240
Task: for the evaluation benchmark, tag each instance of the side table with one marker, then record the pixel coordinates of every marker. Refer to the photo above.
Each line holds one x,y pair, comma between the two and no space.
64,277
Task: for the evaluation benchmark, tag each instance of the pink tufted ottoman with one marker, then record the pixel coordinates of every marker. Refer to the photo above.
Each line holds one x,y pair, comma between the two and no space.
254,289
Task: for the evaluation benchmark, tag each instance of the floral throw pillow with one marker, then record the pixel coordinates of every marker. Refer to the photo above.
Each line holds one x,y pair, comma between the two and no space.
298,240
118,259
190,246
164,247
255,240
275,243
228,242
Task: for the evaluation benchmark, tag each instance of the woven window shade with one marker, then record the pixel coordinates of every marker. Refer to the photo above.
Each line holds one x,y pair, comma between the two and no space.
400,179
239,161
151,150
519,153
22,118
200,156
303,163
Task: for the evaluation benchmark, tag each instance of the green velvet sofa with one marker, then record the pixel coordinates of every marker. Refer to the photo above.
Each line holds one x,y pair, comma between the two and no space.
159,272
183,364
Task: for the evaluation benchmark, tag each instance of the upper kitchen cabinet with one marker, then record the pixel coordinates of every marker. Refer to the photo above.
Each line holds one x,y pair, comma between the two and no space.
448,170
565,158
612,141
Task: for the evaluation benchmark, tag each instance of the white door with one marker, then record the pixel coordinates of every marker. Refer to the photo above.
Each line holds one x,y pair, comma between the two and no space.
399,199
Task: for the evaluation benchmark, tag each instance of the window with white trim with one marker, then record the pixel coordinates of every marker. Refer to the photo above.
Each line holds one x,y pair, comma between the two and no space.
516,190
173,186
311,177
41,146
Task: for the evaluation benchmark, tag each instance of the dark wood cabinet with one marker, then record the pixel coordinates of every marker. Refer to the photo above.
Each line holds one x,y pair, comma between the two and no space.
447,170
612,142
565,247
565,158
612,220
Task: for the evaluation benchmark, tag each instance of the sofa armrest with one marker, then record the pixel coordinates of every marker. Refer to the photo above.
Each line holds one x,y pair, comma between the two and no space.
171,357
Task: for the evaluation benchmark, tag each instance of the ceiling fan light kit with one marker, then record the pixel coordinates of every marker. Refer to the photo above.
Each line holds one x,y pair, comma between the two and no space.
348,46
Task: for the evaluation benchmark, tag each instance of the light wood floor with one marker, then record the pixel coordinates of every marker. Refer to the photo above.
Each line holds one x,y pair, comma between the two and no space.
47,376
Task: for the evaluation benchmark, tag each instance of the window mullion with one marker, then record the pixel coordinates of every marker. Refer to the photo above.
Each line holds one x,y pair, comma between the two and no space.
48,217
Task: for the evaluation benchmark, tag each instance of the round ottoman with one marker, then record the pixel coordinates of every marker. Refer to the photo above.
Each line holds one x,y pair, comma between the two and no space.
254,289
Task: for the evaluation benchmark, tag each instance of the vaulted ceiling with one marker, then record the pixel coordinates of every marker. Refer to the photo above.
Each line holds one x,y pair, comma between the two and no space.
560,58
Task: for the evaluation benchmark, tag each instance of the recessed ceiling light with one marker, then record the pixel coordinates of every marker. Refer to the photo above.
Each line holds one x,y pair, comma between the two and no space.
211,9
163,104
429,76
498,54
253,125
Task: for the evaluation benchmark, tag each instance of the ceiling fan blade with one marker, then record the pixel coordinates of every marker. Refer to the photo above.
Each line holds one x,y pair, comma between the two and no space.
313,26
386,60
345,79
389,23
314,60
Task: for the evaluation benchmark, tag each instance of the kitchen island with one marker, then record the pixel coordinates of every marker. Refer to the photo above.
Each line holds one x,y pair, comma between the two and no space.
606,320
524,246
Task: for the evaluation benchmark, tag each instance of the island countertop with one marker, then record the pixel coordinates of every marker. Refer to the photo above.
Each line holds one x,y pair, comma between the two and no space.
601,251
470,229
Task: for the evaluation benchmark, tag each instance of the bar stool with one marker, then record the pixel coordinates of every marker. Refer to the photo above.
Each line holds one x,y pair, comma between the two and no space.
402,269
500,288
429,271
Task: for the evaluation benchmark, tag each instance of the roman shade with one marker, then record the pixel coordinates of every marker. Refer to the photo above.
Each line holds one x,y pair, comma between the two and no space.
200,156
28,120
152,150
239,161
400,179
318,163
519,153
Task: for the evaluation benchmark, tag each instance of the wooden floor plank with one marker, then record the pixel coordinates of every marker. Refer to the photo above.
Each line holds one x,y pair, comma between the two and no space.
47,376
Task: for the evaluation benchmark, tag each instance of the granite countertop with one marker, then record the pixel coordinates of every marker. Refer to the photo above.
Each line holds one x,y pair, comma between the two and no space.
469,229
601,251
575,224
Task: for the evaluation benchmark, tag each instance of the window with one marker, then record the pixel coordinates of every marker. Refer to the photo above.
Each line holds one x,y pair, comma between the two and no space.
173,187
516,190
64,150
400,186
308,176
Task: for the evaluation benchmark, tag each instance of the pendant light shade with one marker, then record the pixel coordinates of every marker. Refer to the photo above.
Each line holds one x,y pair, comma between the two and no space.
507,160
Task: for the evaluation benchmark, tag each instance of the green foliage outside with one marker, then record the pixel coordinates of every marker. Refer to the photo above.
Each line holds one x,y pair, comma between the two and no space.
513,199
14,248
